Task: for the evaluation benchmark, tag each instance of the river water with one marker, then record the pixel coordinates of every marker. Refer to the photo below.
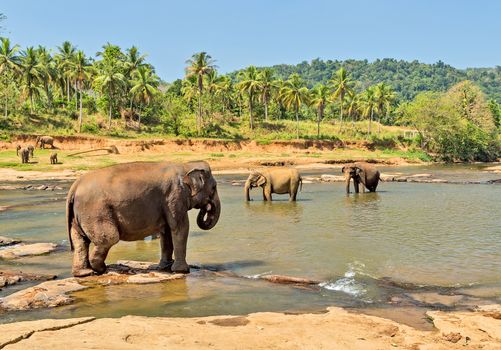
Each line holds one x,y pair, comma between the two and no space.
369,250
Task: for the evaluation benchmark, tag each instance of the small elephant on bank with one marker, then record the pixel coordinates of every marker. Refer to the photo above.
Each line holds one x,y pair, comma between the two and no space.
24,153
31,149
275,180
363,174
53,158
45,140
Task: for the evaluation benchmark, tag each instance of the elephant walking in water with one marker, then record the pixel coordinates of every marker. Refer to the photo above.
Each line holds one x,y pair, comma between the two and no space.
276,180
363,174
132,201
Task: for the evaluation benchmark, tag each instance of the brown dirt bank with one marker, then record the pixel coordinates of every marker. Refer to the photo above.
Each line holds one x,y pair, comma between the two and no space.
335,329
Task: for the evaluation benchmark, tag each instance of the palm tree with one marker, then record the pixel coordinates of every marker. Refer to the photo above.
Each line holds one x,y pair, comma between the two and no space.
266,85
294,94
384,98
319,99
47,71
189,88
353,103
199,65
224,89
109,80
369,104
133,60
9,62
81,74
144,87
66,55
342,84
31,75
249,85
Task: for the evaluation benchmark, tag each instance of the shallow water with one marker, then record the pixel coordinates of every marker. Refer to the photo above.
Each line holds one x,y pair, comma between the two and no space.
440,237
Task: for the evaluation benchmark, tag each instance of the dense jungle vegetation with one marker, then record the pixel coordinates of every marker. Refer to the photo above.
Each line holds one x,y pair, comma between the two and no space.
454,112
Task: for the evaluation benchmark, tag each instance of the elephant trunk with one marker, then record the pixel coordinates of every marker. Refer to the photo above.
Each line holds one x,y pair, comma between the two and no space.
208,216
246,190
348,178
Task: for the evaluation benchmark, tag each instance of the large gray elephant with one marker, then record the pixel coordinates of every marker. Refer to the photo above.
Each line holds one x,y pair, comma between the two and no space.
275,180
45,140
25,155
362,174
132,201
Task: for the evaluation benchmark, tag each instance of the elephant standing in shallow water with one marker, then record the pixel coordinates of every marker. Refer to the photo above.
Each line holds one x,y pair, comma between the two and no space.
132,201
275,180
363,174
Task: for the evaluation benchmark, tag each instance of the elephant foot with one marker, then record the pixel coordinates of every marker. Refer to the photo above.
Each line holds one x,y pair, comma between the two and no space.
180,267
82,272
166,265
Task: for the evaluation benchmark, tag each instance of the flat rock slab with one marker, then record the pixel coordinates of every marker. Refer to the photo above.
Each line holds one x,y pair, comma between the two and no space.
22,250
12,333
5,241
56,293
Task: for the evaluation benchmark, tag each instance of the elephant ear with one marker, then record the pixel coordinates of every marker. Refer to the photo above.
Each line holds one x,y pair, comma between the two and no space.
195,180
261,180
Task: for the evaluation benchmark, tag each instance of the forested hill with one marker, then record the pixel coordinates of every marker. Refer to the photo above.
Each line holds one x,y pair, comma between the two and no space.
407,78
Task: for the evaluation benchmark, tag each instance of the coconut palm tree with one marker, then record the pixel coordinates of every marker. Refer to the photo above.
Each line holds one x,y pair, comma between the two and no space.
30,74
353,106
266,85
385,96
249,85
294,94
369,104
109,81
199,65
144,87
224,90
46,67
133,60
9,62
81,74
189,88
65,61
319,99
342,85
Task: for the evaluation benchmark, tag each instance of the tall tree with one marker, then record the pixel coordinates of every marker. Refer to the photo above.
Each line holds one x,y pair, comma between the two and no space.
66,55
369,104
31,75
384,96
144,87
294,94
81,74
199,65
9,63
249,85
133,60
47,72
266,84
319,99
342,85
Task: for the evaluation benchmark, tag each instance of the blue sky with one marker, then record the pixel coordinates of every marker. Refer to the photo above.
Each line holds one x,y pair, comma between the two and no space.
260,32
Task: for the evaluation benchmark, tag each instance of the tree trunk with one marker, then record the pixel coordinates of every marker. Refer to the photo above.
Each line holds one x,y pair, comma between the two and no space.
31,102
139,111
68,90
80,116
370,120
6,102
379,126
251,119
297,122
109,112
265,108
320,117
199,121
341,114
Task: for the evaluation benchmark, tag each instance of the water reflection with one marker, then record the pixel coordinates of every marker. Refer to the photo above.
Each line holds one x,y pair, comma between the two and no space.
278,209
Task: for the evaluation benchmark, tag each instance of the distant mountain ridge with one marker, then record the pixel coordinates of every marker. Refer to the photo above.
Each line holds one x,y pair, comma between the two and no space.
408,78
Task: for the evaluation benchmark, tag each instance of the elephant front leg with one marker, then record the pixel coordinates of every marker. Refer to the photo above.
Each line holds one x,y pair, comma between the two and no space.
356,184
267,193
180,229
167,249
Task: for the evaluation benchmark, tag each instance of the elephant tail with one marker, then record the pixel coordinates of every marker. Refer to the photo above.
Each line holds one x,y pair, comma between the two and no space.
70,215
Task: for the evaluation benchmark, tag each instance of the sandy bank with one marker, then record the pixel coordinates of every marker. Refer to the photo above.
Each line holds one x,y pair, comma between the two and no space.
335,329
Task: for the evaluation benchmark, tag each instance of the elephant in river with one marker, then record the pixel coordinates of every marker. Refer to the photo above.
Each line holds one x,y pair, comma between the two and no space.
45,140
134,200
25,155
275,180
362,174
53,158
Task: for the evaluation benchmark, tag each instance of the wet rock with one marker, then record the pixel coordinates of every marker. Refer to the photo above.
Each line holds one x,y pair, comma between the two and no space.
46,294
436,298
22,250
8,278
6,241
41,187
332,178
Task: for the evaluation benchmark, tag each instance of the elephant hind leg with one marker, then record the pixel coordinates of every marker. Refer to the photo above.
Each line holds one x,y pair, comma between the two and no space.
81,266
293,193
109,236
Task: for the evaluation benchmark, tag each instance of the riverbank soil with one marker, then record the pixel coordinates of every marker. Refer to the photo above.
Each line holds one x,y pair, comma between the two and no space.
335,329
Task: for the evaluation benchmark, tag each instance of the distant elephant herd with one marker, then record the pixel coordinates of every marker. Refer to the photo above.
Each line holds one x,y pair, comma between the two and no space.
28,152
132,201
